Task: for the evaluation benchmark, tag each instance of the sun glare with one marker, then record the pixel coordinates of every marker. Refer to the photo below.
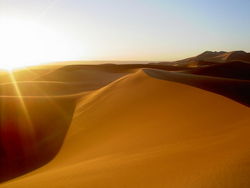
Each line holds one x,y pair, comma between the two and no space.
24,43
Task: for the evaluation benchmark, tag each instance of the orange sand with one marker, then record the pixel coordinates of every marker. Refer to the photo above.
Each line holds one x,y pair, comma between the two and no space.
139,131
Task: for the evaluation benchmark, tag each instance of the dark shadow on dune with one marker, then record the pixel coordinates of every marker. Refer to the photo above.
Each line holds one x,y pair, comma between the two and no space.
238,90
235,69
32,131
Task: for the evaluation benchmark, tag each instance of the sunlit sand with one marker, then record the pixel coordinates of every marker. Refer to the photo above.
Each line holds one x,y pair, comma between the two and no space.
144,125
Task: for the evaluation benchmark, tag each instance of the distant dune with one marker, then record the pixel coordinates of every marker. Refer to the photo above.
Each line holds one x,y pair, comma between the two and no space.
141,125
223,56
208,58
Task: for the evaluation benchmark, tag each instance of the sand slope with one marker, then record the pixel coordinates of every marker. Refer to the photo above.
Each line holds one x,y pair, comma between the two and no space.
32,131
140,131
236,89
35,116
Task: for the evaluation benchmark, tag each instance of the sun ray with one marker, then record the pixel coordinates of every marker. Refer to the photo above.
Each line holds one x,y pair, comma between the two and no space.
29,126
48,96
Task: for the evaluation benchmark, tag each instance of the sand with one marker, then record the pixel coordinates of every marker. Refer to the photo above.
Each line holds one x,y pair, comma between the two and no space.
208,58
141,130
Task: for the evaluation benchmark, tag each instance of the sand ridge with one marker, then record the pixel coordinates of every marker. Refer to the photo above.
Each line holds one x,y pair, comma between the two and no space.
139,139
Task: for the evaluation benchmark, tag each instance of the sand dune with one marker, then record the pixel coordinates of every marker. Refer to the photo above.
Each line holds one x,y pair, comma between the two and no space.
238,90
145,131
208,58
80,73
26,74
235,69
32,131
35,116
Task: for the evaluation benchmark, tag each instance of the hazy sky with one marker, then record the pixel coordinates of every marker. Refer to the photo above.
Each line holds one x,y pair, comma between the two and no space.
133,29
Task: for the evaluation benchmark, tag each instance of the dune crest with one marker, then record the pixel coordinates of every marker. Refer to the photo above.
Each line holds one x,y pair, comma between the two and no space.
140,131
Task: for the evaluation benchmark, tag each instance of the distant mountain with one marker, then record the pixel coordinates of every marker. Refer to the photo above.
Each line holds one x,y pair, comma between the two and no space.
210,57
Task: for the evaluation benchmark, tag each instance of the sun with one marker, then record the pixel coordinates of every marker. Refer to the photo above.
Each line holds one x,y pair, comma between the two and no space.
24,43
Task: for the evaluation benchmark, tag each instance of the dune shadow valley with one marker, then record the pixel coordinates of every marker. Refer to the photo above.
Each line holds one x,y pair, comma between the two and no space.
178,124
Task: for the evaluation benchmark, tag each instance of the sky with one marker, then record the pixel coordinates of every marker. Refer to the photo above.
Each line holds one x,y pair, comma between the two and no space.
157,30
